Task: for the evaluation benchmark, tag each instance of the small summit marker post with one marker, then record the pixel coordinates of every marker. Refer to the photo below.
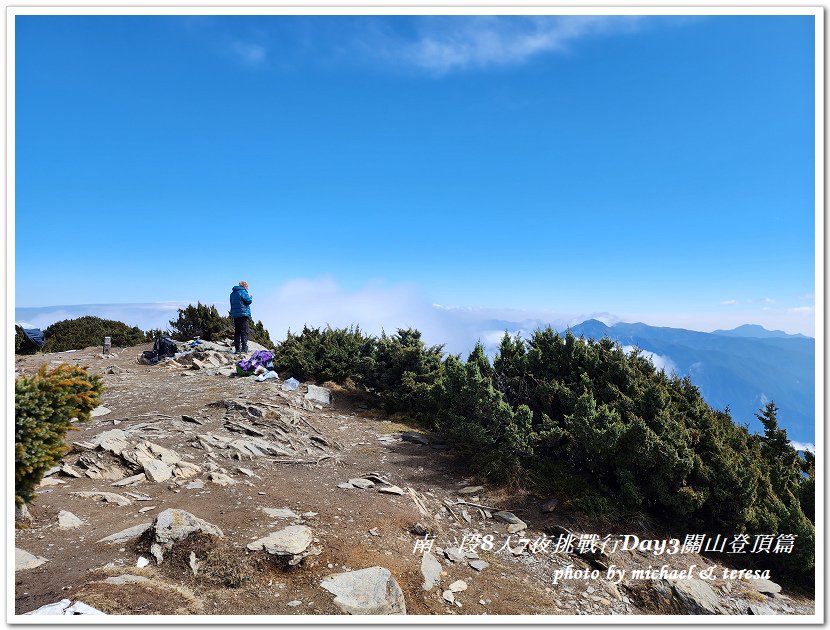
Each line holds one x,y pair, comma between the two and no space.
107,345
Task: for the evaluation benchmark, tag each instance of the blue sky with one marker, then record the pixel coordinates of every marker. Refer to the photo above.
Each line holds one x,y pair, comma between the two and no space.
353,168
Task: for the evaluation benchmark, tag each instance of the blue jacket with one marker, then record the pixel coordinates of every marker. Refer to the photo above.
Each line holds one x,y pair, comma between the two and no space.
240,302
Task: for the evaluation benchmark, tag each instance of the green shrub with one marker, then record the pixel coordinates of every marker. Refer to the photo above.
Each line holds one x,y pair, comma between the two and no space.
83,332
205,322
403,372
326,354
44,405
642,441
472,413
201,321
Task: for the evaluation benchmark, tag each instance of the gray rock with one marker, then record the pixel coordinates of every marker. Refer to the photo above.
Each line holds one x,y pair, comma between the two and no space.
697,597
67,469
431,570
391,490
448,596
21,513
292,541
458,586
320,395
184,470
280,512
766,587
479,565
108,497
471,490
67,520
454,554
760,609
138,496
24,560
371,591
131,481
419,530
173,525
221,479
363,484
115,441
100,411
415,438
345,486
156,471
515,528
198,484
507,517
126,534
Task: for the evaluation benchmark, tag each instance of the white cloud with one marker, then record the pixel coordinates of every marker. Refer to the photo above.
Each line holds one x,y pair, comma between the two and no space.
449,43
381,306
801,309
729,302
661,362
803,446
768,300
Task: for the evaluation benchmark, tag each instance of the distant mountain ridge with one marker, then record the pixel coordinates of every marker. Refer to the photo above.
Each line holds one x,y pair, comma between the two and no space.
743,368
754,330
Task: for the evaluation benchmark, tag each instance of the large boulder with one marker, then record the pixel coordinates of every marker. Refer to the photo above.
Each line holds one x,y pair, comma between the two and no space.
766,587
126,534
292,542
174,525
371,591
24,560
431,570
320,395
698,597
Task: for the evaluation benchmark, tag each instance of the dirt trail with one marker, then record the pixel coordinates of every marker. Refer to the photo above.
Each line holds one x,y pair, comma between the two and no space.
355,528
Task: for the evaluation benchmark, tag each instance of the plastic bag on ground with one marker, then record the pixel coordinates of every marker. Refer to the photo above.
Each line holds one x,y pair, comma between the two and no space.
291,384
267,376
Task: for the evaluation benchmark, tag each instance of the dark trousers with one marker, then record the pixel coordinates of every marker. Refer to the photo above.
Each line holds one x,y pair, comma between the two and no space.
240,334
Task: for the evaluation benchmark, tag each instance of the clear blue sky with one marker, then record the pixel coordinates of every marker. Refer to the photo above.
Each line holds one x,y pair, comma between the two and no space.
653,165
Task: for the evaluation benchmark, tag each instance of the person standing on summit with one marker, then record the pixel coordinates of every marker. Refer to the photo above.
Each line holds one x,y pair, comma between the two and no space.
240,312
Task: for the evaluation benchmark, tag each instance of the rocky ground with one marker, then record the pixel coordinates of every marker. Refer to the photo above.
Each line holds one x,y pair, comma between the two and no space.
194,492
